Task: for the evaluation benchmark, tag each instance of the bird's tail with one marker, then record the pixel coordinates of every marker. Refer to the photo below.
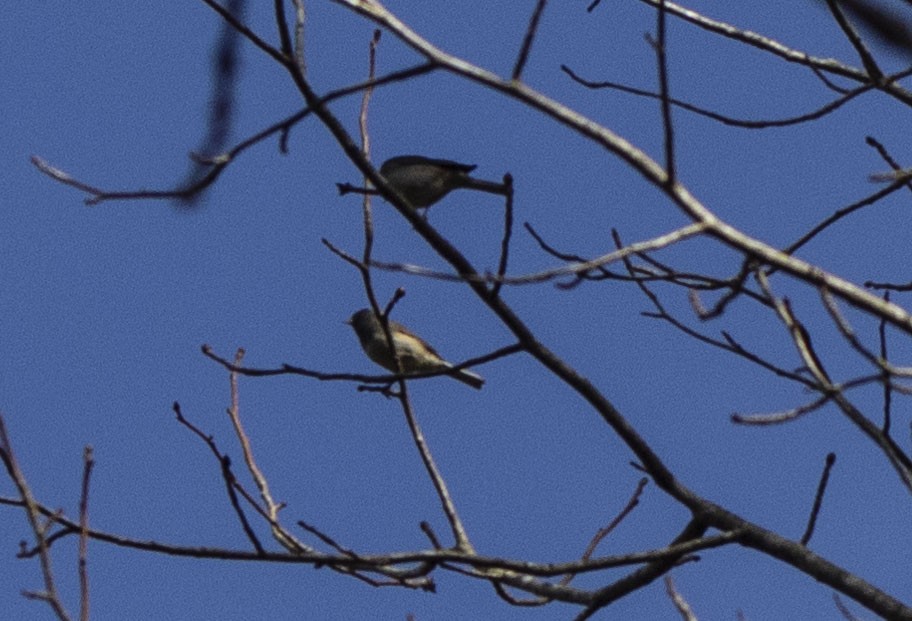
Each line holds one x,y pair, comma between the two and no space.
486,186
467,377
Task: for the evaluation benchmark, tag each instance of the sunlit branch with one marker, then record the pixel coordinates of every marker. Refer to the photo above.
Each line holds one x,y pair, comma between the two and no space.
777,418
579,269
678,600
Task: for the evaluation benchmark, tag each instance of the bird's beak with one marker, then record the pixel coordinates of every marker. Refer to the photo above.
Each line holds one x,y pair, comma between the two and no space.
347,322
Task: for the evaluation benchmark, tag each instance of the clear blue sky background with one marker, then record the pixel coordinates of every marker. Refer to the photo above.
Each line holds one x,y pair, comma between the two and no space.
103,309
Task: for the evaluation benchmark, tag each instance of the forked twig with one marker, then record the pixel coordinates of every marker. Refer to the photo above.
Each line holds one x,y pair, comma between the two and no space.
39,528
281,535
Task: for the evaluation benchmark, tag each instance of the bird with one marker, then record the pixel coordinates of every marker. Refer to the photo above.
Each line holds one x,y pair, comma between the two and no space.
423,181
415,355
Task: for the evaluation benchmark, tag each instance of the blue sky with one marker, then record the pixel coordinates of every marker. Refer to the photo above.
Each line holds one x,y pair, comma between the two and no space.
103,309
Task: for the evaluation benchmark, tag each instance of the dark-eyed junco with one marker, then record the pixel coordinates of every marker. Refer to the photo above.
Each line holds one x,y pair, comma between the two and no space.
423,181
415,355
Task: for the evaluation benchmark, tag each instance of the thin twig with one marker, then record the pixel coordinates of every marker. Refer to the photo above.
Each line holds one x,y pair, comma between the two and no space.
843,609
327,539
88,462
887,385
839,214
884,367
694,529
507,235
606,530
527,39
818,499
231,483
897,170
446,501
667,127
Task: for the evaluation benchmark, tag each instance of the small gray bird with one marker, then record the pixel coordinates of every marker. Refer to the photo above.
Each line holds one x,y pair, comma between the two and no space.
415,355
423,181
